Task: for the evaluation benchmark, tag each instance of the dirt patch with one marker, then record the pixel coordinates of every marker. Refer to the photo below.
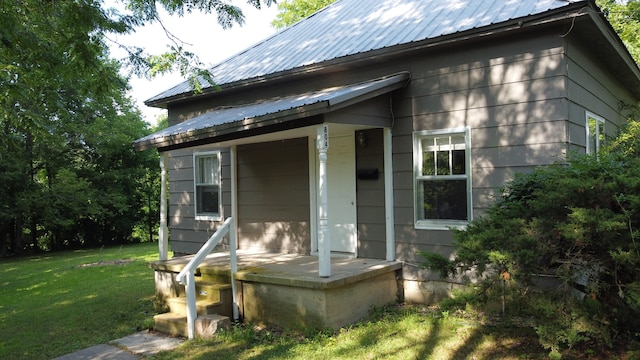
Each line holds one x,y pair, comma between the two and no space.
116,262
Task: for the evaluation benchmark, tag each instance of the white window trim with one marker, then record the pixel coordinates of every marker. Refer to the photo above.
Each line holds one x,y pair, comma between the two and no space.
598,119
417,164
207,217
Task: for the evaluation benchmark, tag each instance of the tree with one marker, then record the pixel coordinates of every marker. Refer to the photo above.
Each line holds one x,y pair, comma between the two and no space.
142,12
292,11
150,189
68,173
57,86
624,16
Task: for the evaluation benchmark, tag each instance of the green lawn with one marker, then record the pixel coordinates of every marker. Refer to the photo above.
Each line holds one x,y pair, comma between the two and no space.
396,332
54,304
58,303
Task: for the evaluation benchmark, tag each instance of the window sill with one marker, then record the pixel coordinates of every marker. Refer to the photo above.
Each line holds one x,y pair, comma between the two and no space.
440,225
208,218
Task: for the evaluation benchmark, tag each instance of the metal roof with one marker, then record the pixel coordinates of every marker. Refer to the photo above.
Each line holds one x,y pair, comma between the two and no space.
232,121
350,27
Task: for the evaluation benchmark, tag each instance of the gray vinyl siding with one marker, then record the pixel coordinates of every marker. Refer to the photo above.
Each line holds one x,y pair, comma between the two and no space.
186,233
525,104
273,196
512,96
370,198
592,89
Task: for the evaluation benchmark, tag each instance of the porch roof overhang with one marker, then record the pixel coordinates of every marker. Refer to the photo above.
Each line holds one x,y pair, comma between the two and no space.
272,115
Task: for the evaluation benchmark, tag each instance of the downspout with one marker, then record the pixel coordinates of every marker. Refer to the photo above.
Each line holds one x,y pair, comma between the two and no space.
163,231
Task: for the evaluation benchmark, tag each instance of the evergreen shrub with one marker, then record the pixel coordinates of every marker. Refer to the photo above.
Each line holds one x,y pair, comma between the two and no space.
576,223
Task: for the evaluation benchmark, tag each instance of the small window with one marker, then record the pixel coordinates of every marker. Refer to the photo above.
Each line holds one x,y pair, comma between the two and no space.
595,133
442,182
207,185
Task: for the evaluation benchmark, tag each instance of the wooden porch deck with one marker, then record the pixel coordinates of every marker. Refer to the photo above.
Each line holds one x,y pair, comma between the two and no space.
285,290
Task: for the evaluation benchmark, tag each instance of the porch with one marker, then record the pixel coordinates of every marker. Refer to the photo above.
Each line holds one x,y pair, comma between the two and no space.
279,290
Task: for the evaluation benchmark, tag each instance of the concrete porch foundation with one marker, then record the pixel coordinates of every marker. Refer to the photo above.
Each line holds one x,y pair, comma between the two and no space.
285,290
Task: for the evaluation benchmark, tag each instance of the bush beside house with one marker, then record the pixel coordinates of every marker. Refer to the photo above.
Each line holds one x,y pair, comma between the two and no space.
577,222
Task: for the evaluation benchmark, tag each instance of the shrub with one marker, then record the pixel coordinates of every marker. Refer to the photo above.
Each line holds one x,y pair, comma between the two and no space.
577,222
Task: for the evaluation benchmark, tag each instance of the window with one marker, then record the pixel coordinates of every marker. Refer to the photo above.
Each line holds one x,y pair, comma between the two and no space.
442,184
595,133
206,168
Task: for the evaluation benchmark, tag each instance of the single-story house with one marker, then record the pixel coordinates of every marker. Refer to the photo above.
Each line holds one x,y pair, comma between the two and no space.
368,130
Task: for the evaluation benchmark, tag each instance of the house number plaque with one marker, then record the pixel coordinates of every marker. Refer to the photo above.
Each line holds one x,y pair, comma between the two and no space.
323,137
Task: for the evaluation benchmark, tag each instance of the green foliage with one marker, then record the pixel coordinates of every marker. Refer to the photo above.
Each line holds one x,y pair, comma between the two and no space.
292,11
627,144
68,174
176,58
437,262
624,16
565,322
576,222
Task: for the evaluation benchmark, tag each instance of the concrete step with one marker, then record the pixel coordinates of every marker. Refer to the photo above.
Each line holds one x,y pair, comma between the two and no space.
205,325
205,289
215,275
171,323
212,291
178,306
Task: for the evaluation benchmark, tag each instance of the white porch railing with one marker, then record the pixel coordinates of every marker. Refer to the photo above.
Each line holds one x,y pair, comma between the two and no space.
186,276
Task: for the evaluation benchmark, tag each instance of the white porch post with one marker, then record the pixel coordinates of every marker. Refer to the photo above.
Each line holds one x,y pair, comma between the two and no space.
163,231
388,195
233,233
324,237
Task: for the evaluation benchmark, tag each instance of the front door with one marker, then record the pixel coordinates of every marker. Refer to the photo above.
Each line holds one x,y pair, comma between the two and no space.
341,194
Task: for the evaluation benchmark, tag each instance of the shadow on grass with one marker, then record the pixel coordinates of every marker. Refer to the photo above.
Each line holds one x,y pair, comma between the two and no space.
392,333
54,305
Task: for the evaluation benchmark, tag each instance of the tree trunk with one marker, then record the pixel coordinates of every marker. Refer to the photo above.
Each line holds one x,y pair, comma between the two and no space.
3,241
17,236
150,217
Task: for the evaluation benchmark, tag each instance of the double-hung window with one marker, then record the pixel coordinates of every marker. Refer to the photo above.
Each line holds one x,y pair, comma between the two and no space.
595,133
442,185
206,168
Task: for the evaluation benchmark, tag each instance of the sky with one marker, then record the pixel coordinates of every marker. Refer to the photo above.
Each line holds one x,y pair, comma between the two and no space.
206,39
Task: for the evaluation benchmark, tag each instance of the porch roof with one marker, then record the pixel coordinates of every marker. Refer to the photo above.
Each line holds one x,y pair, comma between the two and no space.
275,114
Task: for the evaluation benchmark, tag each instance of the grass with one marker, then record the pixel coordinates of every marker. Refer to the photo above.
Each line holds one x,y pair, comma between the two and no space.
57,303
54,304
396,332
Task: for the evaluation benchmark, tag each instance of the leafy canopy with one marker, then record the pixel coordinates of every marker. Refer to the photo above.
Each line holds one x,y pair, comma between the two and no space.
68,175
624,16
142,12
292,11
